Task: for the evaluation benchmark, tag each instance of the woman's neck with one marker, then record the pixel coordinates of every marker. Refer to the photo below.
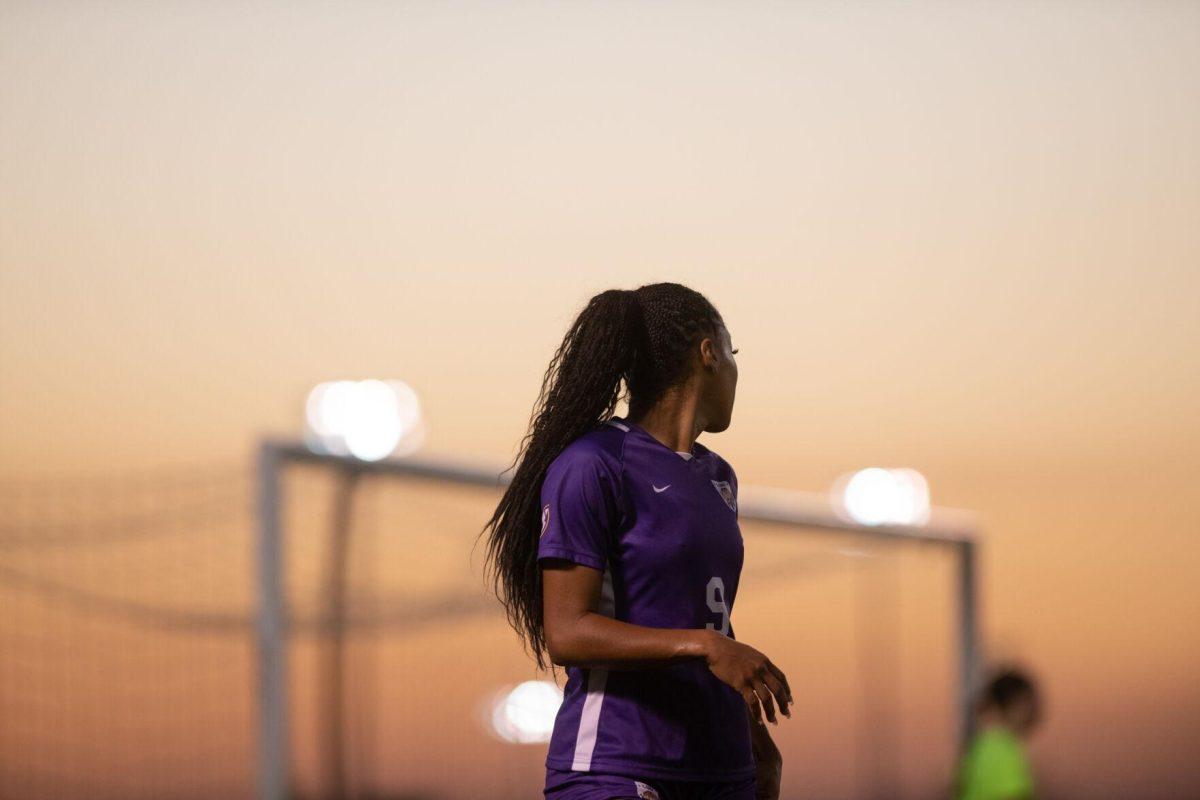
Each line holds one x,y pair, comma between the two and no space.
674,420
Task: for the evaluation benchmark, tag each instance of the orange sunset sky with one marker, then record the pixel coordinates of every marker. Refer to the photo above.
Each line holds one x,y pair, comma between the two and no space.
961,237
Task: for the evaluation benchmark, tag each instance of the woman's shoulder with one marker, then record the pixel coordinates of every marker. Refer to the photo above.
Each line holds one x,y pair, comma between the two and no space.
601,447
704,452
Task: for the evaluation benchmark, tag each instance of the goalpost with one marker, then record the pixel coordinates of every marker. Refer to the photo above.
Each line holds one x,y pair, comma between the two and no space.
950,531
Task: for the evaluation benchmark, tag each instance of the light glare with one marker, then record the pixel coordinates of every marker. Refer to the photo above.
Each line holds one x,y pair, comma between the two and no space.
368,419
877,496
525,714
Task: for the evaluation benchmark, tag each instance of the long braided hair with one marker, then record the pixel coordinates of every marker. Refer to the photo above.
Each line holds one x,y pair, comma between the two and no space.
644,337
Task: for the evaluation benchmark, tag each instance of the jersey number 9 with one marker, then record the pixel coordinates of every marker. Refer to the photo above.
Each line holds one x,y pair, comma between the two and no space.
715,595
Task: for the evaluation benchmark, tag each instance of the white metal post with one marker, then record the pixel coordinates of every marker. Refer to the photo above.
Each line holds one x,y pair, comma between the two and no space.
272,631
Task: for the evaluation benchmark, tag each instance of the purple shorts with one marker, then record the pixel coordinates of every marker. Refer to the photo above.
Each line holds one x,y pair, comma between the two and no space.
567,785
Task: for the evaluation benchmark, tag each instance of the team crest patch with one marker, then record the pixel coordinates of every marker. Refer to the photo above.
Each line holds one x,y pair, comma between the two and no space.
726,491
545,519
645,792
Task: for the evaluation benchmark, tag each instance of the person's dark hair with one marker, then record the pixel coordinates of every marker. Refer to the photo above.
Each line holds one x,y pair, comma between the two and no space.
1007,686
641,336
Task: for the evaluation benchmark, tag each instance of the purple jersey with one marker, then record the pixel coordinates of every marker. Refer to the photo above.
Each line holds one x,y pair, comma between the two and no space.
662,527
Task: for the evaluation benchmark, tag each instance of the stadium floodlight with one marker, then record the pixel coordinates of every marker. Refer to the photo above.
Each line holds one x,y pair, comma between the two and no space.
524,714
368,419
877,496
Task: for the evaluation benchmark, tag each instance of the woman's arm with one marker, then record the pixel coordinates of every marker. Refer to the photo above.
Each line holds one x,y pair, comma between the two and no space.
578,636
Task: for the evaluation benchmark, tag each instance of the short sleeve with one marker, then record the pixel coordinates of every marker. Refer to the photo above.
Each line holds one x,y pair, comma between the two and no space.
580,509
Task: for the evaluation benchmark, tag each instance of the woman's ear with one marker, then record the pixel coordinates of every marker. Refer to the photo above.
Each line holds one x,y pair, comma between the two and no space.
708,354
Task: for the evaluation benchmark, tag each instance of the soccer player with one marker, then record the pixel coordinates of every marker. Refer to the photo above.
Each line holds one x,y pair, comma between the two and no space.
616,552
995,766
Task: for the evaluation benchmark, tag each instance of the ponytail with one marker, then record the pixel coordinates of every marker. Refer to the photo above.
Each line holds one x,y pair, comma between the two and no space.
640,337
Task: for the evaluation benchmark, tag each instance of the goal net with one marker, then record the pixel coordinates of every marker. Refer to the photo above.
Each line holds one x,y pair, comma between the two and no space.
320,627
127,646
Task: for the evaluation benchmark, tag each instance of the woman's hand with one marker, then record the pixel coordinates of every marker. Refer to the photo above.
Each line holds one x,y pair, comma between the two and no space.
768,763
751,673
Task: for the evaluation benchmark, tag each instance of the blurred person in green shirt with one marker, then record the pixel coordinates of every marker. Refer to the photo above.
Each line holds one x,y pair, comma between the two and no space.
995,766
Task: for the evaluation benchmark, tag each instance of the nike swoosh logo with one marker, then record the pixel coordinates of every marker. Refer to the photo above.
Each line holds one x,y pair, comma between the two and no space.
663,489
